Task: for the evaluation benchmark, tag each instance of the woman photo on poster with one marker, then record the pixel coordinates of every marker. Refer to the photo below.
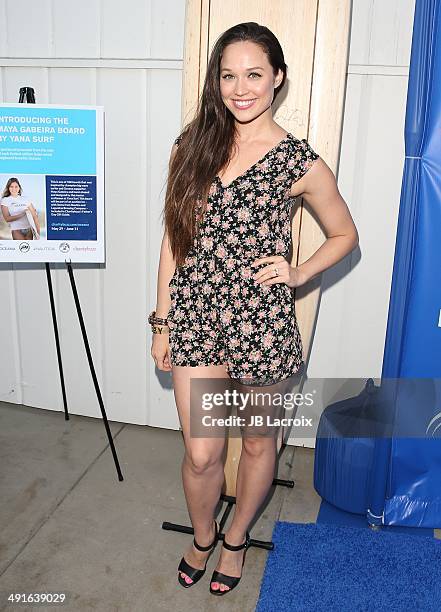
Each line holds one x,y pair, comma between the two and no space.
19,213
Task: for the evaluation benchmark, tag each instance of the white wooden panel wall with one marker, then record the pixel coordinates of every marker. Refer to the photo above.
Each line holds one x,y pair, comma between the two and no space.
129,61
351,325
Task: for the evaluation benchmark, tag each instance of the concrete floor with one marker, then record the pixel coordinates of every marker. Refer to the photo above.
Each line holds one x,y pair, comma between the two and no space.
68,525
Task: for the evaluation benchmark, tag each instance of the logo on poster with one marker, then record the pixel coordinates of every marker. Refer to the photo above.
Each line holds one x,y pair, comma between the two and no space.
64,247
24,247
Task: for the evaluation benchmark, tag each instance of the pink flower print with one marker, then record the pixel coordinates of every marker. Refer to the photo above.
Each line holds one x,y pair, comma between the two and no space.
250,196
232,239
268,340
246,375
263,229
225,225
230,264
246,273
265,186
244,184
275,214
274,310
281,177
226,317
213,189
186,291
274,365
261,201
216,219
221,251
234,343
242,229
243,214
280,246
255,356
250,241
246,328
227,197
207,243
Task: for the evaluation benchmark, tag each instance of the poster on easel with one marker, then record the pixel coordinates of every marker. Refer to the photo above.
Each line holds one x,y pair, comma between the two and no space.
51,183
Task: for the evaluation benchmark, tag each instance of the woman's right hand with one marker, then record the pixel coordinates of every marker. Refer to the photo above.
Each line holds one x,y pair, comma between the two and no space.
160,351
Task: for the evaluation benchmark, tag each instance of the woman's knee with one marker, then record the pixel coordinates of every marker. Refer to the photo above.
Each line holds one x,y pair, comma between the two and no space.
202,459
258,446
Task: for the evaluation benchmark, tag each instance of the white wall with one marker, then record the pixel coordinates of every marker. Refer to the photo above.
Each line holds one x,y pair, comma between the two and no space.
130,61
128,58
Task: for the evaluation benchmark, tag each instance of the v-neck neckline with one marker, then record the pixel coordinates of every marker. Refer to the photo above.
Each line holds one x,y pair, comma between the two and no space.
259,161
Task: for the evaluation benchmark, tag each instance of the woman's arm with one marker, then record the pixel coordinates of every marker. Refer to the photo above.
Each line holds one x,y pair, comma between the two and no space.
34,216
160,350
7,217
319,188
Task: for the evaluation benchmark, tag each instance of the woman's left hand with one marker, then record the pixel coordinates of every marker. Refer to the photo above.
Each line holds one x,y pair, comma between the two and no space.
287,274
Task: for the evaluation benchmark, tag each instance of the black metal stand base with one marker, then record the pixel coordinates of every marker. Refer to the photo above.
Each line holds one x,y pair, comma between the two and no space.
225,514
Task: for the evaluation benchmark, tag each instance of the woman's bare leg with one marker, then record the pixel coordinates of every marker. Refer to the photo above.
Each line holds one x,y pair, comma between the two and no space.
202,466
19,235
254,479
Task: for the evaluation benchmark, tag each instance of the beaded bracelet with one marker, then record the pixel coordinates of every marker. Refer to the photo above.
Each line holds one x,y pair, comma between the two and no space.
153,319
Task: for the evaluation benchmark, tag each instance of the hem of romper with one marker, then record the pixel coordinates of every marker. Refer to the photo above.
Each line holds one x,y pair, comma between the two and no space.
258,382
191,363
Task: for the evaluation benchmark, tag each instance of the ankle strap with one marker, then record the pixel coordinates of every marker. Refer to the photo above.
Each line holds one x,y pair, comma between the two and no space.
239,546
205,548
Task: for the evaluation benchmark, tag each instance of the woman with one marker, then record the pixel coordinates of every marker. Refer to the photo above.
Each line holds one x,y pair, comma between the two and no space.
224,299
14,210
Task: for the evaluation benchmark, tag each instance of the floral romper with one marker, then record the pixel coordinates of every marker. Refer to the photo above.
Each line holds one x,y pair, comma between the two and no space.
219,314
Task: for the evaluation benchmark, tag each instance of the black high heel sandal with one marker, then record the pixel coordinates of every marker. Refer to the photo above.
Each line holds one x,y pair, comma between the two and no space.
229,581
192,572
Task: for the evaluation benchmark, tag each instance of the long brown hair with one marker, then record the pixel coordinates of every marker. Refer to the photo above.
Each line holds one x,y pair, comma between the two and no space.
7,191
207,141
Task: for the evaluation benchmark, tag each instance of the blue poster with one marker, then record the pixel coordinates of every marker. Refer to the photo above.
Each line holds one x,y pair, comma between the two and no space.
52,183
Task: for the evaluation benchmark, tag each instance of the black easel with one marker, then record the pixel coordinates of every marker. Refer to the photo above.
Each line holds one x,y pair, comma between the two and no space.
27,96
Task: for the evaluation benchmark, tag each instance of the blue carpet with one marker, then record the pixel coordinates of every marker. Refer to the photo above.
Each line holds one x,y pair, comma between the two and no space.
330,515
318,568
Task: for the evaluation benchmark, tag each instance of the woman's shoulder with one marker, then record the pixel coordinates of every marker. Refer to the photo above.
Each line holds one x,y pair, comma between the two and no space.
302,148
